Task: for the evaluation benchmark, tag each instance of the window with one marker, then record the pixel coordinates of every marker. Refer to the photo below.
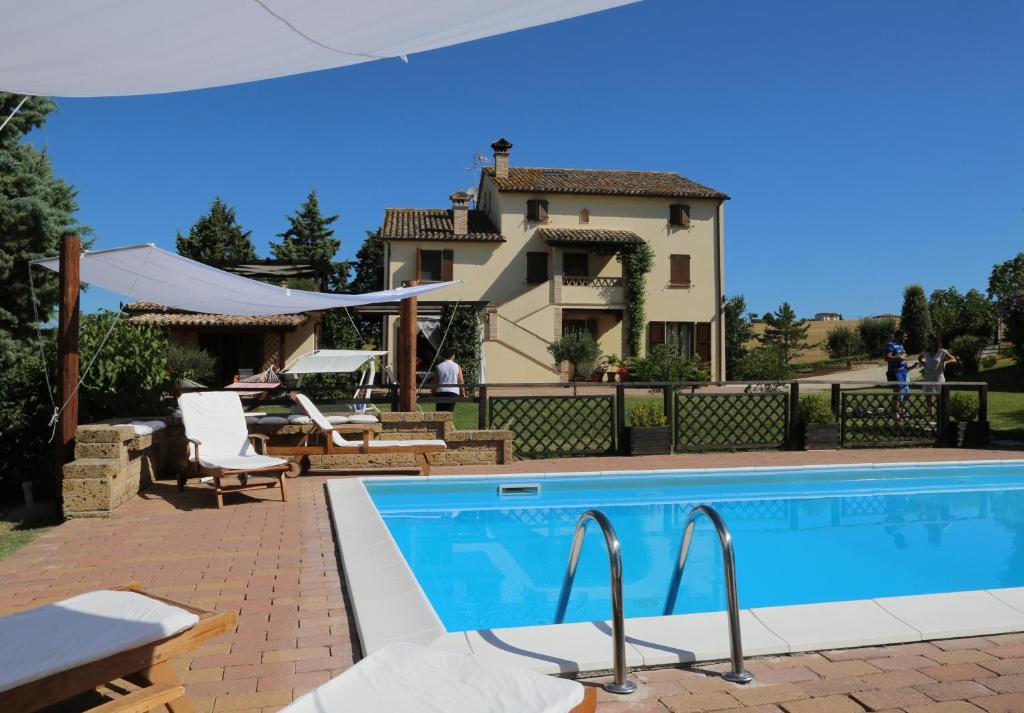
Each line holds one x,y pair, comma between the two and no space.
537,211
679,215
434,265
679,271
536,268
575,265
584,216
580,325
678,333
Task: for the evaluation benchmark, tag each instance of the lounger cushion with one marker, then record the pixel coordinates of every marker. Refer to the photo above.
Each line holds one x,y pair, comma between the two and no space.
342,442
273,421
299,418
252,419
216,420
253,462
408,678
335,420
57,637
363,418
145,428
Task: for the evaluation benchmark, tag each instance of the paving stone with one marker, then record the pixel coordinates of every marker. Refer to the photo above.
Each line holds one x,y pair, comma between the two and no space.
963,656
1006,684
698,702
956,672
892,698
896,679
1004,666
828,704
970,642
946,707
955,690
776,693
1003,703
852,667
787,675
833,686
901,663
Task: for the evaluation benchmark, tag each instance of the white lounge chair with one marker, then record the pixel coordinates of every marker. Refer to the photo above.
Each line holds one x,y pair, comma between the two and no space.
219,444
409,678
57,651
330,441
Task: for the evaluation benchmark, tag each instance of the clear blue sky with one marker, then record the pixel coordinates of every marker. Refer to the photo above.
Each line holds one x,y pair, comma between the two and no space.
865,145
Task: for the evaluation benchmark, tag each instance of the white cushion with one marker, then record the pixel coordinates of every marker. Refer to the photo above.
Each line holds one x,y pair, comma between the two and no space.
342,442
299,418
253,462
272,420
313,412
216,420
362,418
335,420
252,419
57,637
409,678
144,428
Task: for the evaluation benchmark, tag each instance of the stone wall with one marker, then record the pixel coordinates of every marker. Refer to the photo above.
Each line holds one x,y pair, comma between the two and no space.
112,464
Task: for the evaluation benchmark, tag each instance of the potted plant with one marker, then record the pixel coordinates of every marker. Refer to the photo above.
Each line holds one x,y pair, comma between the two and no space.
598,368
964,429
612,366
578,347
649,433
821,432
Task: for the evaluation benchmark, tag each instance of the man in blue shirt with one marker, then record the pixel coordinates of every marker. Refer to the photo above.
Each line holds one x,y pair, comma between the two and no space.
897,369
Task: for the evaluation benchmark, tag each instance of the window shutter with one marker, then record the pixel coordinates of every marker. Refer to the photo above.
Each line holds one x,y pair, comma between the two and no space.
704,341
679,214
536,267
536,210
679,270
447,264
419,264
655,334
584,216
543,211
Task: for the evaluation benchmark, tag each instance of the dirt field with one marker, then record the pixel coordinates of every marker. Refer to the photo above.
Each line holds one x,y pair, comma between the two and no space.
816,335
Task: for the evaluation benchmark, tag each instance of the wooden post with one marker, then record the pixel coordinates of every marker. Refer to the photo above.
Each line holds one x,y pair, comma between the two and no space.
407,353
481,420
792,435
837,399
67,359
620,417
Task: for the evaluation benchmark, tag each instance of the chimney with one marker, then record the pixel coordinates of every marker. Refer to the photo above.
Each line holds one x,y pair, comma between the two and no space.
501,148
460,212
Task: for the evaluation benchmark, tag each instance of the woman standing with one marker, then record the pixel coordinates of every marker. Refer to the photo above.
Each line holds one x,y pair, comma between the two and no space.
933,361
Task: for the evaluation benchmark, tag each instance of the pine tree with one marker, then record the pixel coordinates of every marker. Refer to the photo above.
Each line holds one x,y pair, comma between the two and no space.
309,237
738,331
36,210
368,276
915,319
217,237
785,331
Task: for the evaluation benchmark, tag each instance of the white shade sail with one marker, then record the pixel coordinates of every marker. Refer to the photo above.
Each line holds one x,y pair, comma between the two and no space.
79,48
331,361
149,273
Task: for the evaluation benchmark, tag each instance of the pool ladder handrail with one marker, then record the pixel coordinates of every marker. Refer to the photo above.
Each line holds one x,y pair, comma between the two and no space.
738,674
619,682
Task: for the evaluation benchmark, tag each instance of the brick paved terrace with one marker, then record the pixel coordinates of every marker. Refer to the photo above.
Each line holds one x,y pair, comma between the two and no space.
275,563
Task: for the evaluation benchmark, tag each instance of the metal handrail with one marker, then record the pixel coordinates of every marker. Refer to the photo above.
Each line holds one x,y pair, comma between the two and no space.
738,674
619,682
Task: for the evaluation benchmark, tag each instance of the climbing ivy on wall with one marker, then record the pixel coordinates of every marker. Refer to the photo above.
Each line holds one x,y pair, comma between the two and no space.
636,260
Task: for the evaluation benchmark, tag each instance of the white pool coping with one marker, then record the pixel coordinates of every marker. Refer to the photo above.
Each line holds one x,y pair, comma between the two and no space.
390,606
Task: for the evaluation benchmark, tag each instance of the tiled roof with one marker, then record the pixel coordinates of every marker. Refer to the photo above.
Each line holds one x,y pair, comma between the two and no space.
157,315
590,236
436,224
655,184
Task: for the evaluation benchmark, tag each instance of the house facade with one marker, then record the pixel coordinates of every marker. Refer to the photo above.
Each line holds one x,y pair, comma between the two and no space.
536,256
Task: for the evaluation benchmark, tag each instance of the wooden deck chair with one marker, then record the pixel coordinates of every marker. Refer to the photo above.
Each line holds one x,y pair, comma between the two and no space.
409,678
219,445
330,441
54,652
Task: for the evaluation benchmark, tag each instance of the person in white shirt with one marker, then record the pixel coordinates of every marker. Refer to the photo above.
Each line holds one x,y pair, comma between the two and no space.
446,374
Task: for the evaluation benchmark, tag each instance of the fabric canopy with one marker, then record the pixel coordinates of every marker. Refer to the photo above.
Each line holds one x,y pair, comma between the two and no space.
149,273
77,48
330,361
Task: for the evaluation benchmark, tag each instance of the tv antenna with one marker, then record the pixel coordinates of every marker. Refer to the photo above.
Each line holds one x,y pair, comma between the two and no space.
479,161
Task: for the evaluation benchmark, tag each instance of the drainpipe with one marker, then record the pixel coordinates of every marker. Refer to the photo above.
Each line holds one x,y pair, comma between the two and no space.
719,292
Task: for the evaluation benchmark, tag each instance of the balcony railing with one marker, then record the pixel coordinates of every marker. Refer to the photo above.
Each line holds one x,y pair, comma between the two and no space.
591,281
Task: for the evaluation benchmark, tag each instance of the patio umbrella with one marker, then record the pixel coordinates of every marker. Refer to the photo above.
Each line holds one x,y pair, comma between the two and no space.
89,48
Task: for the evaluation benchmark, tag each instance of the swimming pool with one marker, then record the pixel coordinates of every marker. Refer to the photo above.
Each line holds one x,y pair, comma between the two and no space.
804,535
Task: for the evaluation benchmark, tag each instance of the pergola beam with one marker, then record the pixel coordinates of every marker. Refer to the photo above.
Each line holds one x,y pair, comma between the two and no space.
407,331
67,359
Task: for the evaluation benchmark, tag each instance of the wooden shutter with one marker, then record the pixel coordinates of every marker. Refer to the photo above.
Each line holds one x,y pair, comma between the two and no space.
536,210
704,341
655,334
447,264
679,270
536,267
679,214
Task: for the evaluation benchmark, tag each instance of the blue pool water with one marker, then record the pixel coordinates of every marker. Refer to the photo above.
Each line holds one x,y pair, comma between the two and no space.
801,536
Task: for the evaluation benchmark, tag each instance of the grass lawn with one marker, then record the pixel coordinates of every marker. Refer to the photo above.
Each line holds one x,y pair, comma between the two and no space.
1005,398
19,526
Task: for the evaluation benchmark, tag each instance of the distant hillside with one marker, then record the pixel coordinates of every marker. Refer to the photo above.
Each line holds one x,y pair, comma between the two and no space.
816,335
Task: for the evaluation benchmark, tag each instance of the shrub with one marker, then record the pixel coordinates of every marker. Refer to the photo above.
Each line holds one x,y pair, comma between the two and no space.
576,347
189,362
967,350
765,363
842,342
874,333
25,412
962,407
915,319
647,414
816,409
665,363
989,361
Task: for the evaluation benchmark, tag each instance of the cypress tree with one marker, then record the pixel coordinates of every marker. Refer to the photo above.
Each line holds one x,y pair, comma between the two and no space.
785,331
217,237
738,331
310,237
915,319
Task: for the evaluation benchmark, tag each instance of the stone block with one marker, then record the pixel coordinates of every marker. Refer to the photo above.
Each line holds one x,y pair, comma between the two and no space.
104,433
87,495
83,468
101,449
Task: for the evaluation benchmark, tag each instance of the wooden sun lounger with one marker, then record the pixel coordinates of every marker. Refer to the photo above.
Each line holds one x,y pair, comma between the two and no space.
194,469
320,442
148,666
